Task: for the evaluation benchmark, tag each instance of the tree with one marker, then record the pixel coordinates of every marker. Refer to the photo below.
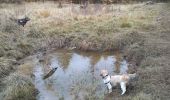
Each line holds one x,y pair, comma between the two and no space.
60,4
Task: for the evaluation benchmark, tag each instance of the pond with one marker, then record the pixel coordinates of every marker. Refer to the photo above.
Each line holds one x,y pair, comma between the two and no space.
77,76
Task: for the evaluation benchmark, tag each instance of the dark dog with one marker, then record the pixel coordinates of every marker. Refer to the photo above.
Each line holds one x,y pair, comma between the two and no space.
23,21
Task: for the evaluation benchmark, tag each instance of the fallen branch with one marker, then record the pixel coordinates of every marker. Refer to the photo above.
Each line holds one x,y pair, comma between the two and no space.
50,73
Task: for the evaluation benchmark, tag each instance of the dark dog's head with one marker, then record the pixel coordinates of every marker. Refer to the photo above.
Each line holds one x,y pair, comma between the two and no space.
27,18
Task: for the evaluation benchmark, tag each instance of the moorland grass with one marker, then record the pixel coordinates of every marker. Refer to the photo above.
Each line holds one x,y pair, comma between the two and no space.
141,32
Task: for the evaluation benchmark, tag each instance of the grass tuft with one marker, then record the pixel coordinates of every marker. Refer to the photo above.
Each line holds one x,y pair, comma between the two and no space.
126,25
6,66
19,87
142,96
44,13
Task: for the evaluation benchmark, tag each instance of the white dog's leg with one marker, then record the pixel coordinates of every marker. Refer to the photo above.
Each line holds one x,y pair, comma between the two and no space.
109,86
123,87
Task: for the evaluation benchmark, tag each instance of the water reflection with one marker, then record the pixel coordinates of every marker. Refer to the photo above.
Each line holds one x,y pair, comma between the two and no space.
45,93
77,76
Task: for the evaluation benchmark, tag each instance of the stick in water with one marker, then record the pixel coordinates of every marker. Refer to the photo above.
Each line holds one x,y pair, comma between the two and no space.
50,73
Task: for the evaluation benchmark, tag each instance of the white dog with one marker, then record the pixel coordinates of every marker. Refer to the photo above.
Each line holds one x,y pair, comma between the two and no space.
111,81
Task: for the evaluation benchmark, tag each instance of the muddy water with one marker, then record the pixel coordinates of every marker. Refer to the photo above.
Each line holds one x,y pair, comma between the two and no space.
77,76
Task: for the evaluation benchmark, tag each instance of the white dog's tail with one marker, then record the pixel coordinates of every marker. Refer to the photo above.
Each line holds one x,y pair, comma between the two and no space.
133,76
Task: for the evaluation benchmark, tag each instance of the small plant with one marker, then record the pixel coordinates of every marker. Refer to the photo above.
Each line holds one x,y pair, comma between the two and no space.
45,13
126,25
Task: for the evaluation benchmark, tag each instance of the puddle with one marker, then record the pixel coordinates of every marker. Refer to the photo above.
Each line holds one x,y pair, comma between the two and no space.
77,76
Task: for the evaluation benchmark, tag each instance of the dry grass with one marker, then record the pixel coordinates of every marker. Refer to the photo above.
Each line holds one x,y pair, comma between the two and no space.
69,25
19,87
44,13
126,25
25,69
6,66
142,96
141,32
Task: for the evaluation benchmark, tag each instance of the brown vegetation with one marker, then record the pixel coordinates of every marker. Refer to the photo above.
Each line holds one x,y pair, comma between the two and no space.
18,87
81,1
139,31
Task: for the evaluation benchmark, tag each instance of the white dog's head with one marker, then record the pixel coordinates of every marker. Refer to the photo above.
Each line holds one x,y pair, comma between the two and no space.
106,79
104,73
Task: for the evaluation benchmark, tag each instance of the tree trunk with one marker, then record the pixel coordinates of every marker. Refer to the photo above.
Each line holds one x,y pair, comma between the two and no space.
60,4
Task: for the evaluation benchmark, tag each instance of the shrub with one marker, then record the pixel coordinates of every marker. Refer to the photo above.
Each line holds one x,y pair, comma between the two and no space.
11,1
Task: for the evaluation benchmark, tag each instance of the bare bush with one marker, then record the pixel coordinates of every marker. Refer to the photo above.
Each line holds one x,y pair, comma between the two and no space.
12,1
